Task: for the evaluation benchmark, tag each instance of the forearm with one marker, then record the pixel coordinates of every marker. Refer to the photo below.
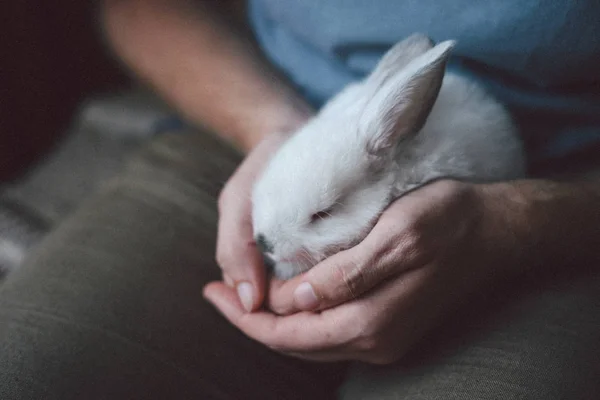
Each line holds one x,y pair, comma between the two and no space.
201,63
551,224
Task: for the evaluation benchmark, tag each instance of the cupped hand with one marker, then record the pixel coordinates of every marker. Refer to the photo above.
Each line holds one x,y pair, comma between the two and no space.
429,251
237,254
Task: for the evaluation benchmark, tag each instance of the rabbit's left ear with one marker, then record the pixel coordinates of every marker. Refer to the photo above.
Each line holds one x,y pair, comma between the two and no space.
399,107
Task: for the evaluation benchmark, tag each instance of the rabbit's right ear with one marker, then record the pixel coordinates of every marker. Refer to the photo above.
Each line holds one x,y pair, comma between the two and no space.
398,57
399,108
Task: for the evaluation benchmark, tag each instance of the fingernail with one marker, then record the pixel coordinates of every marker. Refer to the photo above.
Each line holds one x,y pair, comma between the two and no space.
305,297
244,290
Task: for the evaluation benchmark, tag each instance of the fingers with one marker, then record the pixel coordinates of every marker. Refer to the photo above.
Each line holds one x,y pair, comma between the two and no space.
280,295
237,254
396,243
401,256
338,279
301,332
386,251
377,329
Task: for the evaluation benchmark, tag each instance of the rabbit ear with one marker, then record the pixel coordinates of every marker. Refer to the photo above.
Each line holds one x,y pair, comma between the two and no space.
398,57
400,107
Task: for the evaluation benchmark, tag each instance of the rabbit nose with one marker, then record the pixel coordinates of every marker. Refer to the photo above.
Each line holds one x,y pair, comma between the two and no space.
263,244
269,263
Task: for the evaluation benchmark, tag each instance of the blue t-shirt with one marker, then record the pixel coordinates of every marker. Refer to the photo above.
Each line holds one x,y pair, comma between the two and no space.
541,58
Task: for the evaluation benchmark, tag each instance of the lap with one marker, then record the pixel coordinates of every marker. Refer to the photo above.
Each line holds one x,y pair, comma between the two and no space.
539,340
110,305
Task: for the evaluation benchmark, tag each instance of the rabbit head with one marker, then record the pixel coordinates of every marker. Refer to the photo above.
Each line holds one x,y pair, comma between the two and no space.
326,186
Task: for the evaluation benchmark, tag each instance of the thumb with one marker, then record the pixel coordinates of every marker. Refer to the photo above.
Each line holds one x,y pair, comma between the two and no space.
336,280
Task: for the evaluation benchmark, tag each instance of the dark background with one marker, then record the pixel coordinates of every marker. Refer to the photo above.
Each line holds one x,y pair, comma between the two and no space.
52,57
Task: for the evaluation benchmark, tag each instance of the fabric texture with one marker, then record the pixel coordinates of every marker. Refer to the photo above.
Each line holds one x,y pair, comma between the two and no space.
109,306
534,340
540,58
106,130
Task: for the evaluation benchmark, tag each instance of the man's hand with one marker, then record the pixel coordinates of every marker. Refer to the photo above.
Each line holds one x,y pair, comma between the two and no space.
237,254
429,251
438,225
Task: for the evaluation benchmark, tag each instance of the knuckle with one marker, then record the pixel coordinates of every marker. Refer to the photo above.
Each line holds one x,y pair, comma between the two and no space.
352,276
407,247
412,238
413,243
232,258
224,259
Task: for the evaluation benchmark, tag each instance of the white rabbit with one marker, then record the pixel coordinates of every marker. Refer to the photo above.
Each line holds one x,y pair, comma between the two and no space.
405,125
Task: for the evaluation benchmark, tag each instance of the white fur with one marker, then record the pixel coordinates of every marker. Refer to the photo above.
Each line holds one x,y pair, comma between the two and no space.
405,125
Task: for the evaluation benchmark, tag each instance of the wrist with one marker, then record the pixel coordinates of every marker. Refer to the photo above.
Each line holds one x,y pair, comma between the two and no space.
281,120
539,225
506,233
